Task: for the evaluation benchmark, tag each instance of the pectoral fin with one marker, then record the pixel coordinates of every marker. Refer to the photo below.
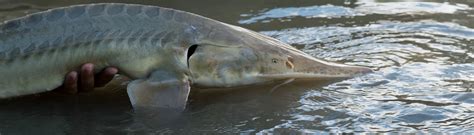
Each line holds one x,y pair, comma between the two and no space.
159,93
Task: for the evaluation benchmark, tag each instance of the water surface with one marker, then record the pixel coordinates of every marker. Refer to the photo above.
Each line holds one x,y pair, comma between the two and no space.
422,52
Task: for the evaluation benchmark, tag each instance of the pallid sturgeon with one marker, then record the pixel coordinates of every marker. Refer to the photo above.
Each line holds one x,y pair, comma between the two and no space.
163,50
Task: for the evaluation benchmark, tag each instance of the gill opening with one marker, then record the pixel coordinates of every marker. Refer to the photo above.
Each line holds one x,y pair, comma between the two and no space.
190,52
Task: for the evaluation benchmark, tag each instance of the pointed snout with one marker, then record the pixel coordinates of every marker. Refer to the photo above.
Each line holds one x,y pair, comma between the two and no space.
309,67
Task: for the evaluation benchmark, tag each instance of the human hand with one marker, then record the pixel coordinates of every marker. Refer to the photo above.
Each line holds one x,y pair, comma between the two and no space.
86,81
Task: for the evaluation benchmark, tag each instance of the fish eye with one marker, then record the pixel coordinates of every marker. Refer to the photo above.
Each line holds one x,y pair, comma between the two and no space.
274,60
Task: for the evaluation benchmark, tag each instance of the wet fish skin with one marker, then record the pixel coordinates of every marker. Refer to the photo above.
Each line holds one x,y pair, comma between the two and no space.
164,52
37,50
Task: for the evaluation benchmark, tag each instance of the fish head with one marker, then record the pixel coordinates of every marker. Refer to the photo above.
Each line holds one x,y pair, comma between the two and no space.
253,58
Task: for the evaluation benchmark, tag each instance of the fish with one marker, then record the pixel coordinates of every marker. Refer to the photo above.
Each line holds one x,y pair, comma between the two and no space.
163,51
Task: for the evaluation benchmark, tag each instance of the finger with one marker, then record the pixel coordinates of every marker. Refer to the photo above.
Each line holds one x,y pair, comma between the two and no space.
70,83
87,78
105,76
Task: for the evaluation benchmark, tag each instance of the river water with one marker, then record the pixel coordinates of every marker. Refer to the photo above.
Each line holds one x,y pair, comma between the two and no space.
422,53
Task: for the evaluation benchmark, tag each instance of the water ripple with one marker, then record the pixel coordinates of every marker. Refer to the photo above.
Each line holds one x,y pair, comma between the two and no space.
424,79
411,97
366,8
410,8
385,44
309,12
423,53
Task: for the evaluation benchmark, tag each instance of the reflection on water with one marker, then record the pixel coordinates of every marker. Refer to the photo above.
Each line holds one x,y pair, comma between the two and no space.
397,98
423,54
308,12
331,11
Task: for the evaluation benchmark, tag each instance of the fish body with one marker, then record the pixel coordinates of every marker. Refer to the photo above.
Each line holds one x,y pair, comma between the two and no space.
164,50
36,51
